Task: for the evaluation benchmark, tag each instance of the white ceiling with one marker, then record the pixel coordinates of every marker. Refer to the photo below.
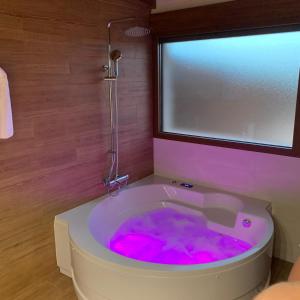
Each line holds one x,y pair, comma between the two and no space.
168,5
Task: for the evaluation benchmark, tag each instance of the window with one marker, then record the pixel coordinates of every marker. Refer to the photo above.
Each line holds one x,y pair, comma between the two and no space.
231,90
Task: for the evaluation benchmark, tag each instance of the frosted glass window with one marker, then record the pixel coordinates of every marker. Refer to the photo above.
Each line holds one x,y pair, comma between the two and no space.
234,88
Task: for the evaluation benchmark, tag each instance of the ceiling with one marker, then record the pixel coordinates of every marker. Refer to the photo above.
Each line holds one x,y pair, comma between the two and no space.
168,5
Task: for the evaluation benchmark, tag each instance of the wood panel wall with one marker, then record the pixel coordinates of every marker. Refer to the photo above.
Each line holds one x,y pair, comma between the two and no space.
238,14
53,52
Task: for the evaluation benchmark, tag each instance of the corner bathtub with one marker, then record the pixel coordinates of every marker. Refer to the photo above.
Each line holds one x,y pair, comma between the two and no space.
83,234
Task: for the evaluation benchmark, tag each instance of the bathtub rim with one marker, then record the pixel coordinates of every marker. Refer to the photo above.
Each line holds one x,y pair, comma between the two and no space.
82,239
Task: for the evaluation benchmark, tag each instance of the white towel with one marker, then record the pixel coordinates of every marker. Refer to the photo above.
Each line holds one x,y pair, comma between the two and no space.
6,122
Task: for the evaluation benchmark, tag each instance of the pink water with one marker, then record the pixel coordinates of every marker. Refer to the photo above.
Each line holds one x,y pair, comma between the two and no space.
167,236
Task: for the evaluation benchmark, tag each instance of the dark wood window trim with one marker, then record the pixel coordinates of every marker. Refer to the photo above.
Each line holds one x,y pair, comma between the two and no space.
158,133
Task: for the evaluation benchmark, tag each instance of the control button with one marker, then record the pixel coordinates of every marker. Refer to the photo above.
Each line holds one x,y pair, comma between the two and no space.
187,185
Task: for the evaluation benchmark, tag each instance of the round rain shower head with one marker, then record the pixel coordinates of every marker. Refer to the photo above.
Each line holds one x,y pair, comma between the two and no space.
116,55
137,31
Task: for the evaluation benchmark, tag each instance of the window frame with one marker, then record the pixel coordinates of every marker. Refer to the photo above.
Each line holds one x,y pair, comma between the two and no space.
240,145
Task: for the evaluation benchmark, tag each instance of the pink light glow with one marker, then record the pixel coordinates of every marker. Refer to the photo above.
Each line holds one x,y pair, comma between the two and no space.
167,236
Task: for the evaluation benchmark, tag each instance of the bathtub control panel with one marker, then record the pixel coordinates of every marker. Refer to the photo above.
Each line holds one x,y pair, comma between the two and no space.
187,185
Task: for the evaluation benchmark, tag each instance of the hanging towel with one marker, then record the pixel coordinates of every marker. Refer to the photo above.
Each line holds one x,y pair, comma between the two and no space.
6,123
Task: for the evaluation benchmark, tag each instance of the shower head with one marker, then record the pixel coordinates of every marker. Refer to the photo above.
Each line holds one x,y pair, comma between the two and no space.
115,55
137,31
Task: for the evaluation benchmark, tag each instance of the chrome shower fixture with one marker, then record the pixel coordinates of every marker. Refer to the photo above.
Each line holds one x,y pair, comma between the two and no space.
137,31
115,56
114,181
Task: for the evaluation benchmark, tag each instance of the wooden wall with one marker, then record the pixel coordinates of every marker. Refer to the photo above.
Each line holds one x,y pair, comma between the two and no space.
53,52
231,15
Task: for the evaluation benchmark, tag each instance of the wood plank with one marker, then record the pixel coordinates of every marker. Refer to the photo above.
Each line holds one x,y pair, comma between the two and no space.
152,3
231,15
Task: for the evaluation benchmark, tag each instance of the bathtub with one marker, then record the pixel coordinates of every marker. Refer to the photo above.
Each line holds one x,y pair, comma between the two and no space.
83,234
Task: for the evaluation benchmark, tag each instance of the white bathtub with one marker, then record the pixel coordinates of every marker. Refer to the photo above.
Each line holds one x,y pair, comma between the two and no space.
82,236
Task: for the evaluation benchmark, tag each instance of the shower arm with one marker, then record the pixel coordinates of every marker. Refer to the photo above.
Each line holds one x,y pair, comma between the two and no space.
109,48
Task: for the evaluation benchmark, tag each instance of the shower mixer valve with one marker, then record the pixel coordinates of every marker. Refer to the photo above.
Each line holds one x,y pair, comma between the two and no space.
116,183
